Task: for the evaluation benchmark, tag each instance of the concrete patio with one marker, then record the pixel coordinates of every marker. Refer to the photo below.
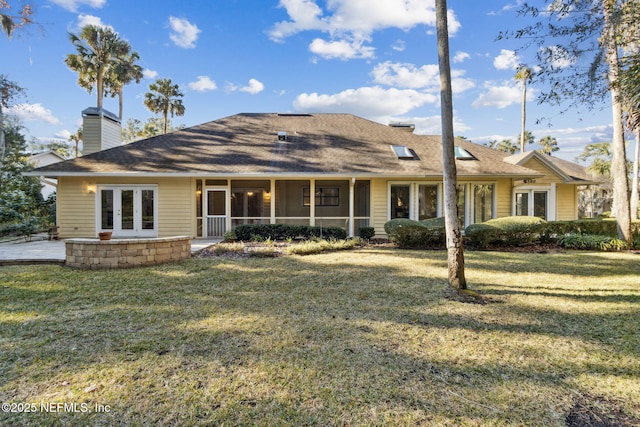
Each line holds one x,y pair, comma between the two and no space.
42,251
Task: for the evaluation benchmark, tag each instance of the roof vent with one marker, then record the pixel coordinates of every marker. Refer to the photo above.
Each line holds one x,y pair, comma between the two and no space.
409,127
282,136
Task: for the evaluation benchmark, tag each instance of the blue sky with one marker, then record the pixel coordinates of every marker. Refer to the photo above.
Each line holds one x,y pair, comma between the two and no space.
374,59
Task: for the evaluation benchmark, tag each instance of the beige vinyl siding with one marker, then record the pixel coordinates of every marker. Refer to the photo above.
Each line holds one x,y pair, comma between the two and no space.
549,176
77,206
503,197
176,207
567,206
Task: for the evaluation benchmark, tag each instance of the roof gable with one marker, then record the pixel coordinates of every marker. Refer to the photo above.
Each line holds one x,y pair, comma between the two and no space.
568,172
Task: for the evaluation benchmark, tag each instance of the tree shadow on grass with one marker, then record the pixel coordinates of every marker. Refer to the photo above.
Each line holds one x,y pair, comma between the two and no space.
298,340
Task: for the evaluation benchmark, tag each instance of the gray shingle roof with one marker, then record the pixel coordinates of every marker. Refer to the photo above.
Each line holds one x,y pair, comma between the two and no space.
316,144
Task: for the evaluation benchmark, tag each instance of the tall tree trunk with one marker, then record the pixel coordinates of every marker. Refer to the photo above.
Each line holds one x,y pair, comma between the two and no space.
619,161
455,252
524,114
120,104
634,182
165,115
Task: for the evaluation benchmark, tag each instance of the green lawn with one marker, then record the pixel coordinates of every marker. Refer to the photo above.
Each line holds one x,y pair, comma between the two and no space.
364,337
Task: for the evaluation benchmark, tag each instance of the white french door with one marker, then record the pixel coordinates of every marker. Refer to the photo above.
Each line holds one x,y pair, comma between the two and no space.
128,211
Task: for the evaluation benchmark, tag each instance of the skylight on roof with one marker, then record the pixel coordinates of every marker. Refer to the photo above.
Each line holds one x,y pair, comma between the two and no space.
403,153
462,154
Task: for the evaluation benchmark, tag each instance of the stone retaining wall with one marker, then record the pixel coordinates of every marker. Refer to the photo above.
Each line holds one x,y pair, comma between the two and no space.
125,253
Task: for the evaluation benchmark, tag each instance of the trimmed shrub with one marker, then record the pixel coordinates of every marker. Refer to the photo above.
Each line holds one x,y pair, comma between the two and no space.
418,237
482,235
433,222
510,231
366,233
390,227
260,232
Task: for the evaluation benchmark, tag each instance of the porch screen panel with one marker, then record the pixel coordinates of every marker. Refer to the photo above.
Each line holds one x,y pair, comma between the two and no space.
216,203
290,199
362,198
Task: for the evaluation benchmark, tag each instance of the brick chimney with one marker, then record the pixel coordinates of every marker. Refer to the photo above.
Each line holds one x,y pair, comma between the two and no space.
100,130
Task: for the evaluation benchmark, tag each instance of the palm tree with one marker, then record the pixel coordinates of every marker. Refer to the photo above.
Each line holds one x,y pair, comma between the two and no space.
549,145
455,253
630,87
599,154
164,98
76,137
524,75
98,48
122,72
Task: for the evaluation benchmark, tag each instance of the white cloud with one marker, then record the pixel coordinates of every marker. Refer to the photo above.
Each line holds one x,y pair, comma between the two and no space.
399,46
203,84
499,96
460,57
32,113
365,101
341,49
254,87
355,20
507,60
84,20
149,74
409,76
406,75
63,134
183,33
72,5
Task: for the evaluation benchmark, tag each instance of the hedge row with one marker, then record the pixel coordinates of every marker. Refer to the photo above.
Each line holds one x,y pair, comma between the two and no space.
511,231
518,230
249,232
407,233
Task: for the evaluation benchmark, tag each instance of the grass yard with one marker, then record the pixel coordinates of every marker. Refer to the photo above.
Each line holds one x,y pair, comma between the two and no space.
364,337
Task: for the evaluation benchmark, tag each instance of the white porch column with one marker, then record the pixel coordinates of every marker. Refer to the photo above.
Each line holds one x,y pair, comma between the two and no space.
272,203
312,202
352,184
553,204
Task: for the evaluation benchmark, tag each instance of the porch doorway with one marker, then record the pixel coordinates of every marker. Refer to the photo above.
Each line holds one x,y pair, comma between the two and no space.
217,218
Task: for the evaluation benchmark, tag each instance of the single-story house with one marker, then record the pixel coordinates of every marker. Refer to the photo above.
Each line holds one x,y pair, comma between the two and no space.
314,169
